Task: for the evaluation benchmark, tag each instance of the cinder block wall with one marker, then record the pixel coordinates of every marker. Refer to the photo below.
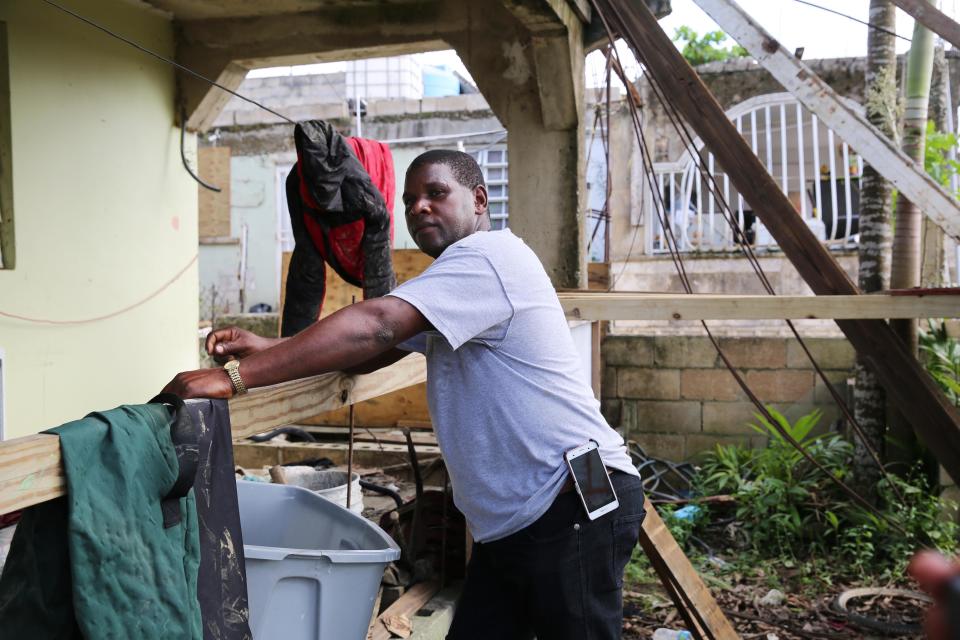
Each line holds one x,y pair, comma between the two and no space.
674,396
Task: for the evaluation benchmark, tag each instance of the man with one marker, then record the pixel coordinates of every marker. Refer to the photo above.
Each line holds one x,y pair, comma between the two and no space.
506,403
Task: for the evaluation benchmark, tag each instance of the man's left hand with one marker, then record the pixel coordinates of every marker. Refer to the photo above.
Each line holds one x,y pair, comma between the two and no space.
202,383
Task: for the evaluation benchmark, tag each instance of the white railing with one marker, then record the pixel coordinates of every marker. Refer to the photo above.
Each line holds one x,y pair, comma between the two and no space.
815,168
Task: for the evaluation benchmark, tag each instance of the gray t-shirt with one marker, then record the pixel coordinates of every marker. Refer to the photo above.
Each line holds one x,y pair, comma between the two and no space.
502,382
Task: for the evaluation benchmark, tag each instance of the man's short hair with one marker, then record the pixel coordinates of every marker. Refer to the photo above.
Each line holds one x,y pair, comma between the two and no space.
463,167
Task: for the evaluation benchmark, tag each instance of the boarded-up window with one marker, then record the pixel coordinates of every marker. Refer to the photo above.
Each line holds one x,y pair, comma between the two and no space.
214,168
8,254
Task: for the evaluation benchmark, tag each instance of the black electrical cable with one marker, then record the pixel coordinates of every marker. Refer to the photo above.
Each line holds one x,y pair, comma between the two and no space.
172,63
183,155
849,17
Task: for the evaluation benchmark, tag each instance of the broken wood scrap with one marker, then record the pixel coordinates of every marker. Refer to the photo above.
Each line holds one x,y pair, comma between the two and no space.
409,603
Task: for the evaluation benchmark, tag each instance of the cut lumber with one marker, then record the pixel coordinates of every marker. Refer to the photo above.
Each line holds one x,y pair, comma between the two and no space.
408,605
932,18
674,568
254,455
908,385
659,306
291,402
881,152
31,470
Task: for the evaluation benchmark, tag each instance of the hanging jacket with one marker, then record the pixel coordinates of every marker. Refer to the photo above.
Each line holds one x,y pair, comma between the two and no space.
340,195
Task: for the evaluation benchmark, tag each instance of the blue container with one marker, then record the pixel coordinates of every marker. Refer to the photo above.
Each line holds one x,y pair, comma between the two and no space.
313,567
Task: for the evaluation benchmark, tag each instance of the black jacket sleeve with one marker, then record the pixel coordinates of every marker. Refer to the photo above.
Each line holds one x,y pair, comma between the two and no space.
306,277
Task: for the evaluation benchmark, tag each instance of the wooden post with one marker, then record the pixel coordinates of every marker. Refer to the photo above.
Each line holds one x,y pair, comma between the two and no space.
932,18
935,420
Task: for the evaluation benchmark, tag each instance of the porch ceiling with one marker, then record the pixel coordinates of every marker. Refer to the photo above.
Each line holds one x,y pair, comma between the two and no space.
206,9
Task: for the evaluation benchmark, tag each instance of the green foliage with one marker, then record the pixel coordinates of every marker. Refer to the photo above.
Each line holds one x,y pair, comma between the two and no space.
699,50
936,161
788,508
941,356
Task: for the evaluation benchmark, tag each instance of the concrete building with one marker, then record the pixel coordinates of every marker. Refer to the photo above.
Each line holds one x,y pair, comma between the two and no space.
99,285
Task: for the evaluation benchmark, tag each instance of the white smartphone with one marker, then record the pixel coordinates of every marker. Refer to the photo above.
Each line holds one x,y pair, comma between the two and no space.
591,480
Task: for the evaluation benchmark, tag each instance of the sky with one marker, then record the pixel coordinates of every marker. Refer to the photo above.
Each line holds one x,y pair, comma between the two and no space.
822,34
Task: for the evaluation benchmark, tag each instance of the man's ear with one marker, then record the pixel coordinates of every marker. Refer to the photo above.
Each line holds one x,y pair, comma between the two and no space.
479,199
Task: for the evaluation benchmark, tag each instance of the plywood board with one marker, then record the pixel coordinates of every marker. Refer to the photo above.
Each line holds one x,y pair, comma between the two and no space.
213,167
384,411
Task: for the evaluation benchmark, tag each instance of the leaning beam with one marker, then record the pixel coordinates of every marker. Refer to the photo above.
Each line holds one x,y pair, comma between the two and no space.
935,420
796,77
596,306
932,18
31,470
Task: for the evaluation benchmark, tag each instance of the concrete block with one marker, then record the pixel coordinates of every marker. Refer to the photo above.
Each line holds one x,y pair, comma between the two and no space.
732,418
756,353
830,353
648,384
698,444
608,383
781,386
662,445
262,324
709,384
684,352
611,408
633,351
664,416
839,380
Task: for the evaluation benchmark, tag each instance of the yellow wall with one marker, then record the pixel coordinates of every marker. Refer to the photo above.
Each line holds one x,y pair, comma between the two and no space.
105,215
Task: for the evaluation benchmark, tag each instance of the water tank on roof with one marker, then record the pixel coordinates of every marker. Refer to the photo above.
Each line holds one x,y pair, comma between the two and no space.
440,81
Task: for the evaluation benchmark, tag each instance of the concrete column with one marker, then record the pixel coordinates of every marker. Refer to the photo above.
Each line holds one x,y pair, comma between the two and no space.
533,81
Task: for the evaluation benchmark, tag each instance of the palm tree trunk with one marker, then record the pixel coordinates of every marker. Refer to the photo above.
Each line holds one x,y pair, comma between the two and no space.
906,260
874,247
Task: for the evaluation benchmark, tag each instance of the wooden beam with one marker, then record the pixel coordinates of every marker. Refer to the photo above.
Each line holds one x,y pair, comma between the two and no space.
291,402
932,18
908,385
31,470
659,306
254,455
673,567
796,77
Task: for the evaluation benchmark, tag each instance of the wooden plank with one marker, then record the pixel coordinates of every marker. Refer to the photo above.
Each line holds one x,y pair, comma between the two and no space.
31,469
932,18
293,402
882,153
659,306
908,385
408,605
254,455
667,556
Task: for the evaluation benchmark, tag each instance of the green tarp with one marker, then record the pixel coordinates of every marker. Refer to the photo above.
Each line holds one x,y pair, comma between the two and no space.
99,563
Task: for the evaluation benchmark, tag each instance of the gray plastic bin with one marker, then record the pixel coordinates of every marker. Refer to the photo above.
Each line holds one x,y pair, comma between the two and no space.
313,567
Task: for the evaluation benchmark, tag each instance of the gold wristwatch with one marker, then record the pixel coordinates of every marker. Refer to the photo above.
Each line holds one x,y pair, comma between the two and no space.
233,370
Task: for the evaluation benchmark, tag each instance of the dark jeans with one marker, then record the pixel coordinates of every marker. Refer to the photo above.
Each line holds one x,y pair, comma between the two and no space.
561,577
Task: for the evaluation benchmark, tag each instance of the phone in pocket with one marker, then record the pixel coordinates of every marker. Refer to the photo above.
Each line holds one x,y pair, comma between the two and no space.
591,480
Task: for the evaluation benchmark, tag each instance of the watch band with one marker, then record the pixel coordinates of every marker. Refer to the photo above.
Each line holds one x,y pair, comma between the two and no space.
233,370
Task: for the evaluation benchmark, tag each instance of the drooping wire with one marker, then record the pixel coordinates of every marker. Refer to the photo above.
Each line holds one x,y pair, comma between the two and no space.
165,59
673,248
183,154
854,18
